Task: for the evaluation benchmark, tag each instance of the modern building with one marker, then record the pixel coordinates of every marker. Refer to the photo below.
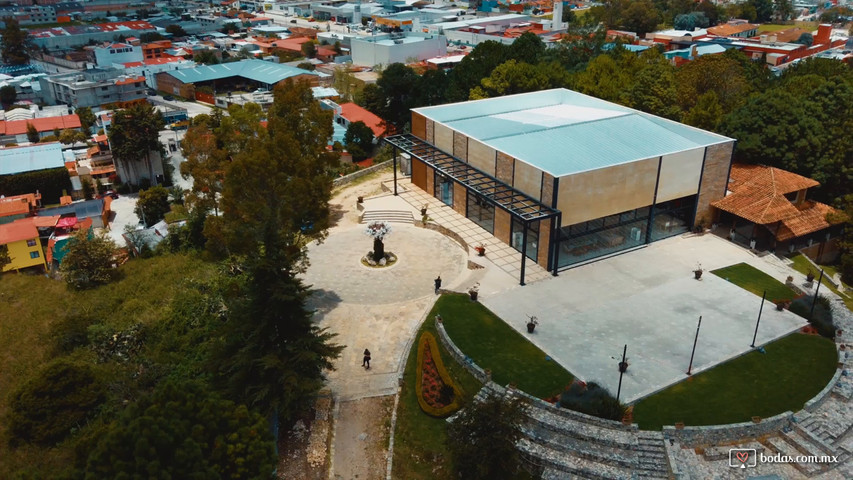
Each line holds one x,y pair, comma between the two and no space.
107,55
396,47
735,28
45,158
96,88
22,239
564,177
74,36
29,15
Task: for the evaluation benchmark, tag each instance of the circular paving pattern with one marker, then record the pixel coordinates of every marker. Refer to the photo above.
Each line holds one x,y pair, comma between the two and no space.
337,275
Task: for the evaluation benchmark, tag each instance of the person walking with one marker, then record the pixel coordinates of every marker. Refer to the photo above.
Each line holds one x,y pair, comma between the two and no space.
437,283
366,361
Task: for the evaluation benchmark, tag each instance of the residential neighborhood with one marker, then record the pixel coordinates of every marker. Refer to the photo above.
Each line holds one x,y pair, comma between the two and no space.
426,240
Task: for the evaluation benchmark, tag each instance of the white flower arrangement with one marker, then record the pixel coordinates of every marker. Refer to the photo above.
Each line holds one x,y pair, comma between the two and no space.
378,230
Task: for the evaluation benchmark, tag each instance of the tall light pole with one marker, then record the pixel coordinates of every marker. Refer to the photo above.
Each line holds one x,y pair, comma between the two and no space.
817,289
623,366
754,335
696,339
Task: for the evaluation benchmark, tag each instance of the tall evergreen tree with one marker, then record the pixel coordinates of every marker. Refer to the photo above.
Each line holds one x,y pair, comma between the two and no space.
135,134
276,201
15,45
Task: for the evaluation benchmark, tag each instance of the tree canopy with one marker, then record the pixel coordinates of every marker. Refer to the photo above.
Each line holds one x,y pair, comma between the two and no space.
15,43
152,205
359,140
88,261
134,134
8,95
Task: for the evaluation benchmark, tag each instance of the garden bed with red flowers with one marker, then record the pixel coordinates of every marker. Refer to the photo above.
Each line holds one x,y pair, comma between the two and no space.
437,395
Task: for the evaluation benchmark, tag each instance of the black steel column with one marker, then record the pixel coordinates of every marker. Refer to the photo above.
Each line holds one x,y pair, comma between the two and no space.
523,249
557,223
652,206
760,309
696,339
395,171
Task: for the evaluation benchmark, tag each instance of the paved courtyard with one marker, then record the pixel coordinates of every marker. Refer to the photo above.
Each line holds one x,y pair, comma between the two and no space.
649,300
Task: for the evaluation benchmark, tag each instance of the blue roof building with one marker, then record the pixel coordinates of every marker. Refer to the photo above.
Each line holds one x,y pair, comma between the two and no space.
42,156
225,76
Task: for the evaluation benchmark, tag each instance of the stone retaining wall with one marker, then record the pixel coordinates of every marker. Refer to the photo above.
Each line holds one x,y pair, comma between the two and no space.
731,433
361,173
460,357
444,231
818,399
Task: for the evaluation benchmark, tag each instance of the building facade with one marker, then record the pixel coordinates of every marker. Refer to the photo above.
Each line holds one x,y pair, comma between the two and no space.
564,177
96,88
22,239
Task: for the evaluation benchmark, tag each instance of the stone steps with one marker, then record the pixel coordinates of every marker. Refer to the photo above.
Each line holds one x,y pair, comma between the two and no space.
652,460
561,463
780,445
819,440
586,450
391,216
582,431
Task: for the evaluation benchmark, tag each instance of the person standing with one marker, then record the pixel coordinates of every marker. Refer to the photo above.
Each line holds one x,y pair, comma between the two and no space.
366,361
437,282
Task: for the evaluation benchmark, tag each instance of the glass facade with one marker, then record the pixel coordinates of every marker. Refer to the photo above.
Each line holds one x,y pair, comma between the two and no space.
517,237
481,212
673,217
444,189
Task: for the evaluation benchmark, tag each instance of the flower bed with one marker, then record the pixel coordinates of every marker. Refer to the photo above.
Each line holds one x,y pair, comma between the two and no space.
437,395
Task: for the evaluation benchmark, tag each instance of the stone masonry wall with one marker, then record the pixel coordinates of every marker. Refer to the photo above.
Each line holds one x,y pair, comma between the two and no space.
715,177
460,146
503,168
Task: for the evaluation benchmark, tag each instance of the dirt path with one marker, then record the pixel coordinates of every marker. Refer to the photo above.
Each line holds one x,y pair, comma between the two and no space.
361,438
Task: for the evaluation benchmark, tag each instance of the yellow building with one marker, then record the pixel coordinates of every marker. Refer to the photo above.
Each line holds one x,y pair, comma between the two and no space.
22,239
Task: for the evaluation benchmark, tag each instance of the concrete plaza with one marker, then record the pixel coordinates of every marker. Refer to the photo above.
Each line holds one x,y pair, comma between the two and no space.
649,300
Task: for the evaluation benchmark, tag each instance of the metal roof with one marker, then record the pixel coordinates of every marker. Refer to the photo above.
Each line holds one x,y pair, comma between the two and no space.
499,193
28,159
564,132
257,70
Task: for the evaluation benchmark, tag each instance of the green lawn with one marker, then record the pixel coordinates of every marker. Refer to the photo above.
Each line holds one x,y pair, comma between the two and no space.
802,265
772,27
420,452
754,280
793,370
493,344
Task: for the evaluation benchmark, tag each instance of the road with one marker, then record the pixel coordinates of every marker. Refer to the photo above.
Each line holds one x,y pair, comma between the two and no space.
193,108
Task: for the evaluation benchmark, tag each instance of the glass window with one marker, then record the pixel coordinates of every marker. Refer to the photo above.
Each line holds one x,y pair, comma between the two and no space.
34,254
481,212
444,189
517,237
673,217
31,243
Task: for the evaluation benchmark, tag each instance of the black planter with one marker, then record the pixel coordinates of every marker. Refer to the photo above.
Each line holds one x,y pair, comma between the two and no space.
531,327
360,199
378,249
423,212
474,295
697,274
481,252
623,367
810,277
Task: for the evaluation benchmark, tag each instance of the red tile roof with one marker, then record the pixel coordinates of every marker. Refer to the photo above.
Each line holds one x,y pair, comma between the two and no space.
758,195
47,124
129,80
354,113
17,205
728,29
48,221
22,229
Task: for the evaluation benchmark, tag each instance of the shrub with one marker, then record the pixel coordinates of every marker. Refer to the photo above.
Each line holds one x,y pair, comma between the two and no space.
49,405
88,261
50,183
591,399
821,319
432,397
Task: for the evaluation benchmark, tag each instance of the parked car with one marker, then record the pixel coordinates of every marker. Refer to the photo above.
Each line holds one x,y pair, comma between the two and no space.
168,97
110,193
293,21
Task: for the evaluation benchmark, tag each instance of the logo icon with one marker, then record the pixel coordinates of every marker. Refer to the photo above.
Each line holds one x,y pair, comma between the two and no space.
742,457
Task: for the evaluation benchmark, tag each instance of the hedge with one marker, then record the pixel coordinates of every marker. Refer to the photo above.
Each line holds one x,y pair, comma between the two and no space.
428,341
50,183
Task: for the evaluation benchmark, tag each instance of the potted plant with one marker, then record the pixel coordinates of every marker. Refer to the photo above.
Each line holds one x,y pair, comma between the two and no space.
810,276
424,210
481,250
697,272
474,292
532,321
623,366
782,304
360,199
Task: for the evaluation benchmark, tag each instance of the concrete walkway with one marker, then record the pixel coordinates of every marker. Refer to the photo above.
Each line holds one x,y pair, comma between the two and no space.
649,300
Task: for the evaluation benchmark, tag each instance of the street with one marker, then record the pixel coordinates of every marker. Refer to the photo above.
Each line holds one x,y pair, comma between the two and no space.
193,108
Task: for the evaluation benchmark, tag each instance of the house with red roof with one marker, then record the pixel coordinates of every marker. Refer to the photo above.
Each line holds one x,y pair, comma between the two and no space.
108,54
15,131
22,239
350,113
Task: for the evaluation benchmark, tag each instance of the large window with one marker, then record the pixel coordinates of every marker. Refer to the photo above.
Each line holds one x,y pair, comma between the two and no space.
602,236
673,217
481,212
517,237
444,189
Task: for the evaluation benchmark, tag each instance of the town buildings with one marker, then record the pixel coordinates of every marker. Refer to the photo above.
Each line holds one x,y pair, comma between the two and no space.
96,88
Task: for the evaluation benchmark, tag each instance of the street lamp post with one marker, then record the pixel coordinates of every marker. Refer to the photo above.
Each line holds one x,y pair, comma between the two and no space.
754,335
623,366
817,289
696,339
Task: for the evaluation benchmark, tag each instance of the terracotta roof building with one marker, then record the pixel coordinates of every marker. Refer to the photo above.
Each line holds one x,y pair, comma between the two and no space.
768,206
734,28
351,112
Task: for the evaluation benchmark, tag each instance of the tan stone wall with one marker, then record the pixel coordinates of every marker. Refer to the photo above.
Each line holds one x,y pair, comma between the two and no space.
460,198
547,189
503,225
679,174
528,179
443,138
504,168
430,180
460,146
419,125
544,242
602,192
481,156
430,131
715,177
